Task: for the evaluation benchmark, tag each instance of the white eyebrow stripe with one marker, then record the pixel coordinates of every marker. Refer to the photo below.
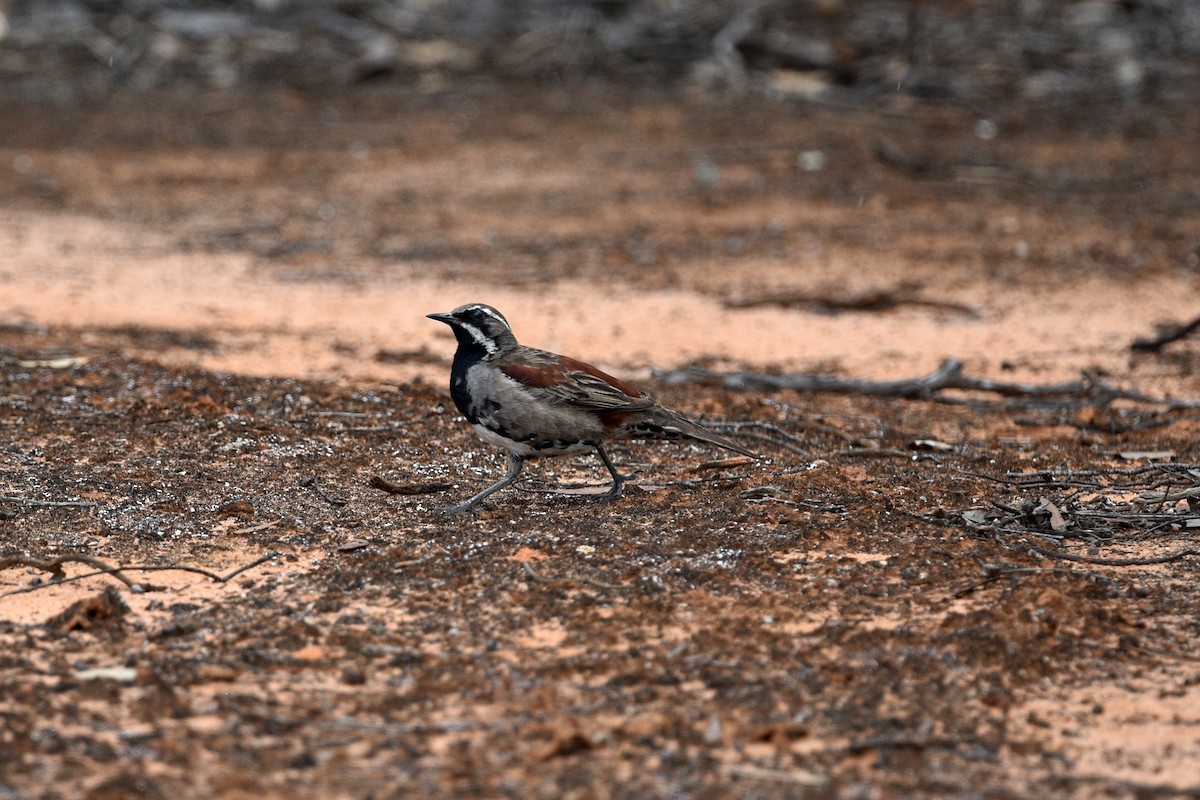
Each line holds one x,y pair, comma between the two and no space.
486,342
491,312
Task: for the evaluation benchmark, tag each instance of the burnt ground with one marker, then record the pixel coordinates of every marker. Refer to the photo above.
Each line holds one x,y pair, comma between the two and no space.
881,608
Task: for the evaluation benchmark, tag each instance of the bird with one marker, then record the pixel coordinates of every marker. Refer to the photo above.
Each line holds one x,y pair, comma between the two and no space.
535,403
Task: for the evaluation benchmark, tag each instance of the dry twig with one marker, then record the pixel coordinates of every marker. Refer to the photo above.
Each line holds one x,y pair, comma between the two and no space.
948,376
586,580
994,573
26,501
1097,506
1165,337
905,294
314,483
54,566
1114,562
379,482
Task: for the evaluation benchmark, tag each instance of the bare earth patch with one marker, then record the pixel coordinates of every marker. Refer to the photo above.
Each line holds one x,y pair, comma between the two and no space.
214,341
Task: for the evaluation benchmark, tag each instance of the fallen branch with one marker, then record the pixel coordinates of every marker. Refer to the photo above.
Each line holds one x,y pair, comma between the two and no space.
1098,425
1100,507
877,300
916,387
26,501
1039,480
537,577
1114,562
534,575
948,375
994,573
1165,336
379,482
314,483
54,566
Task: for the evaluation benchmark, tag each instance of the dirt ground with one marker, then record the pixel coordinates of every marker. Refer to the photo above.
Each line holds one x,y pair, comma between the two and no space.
214,342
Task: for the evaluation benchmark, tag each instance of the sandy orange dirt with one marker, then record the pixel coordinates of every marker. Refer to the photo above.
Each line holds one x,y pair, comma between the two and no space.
214,342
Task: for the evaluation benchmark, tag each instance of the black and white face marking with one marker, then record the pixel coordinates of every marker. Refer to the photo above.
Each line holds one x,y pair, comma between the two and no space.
477,309
479,327
486,342
484,323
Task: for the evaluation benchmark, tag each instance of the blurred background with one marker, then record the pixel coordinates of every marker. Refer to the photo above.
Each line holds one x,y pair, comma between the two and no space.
289,186
969,52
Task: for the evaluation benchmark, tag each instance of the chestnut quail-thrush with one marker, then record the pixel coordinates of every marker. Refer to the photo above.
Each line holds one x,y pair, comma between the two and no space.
534,403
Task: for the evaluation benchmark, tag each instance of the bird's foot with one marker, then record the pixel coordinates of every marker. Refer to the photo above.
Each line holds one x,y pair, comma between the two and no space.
617,487
456,509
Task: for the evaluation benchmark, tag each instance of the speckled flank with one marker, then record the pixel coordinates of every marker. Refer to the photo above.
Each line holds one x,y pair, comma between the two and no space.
524,449
539,421
531,428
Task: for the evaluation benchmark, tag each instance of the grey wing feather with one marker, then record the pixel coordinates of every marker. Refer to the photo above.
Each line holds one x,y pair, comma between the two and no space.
595,394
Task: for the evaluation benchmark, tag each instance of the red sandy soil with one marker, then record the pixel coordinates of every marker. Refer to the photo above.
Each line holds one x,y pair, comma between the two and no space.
214,336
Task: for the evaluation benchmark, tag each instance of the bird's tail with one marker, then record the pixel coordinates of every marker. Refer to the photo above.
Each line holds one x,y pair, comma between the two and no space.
666,424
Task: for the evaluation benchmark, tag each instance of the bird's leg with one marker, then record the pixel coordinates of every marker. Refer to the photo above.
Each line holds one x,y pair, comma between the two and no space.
618,478
514,469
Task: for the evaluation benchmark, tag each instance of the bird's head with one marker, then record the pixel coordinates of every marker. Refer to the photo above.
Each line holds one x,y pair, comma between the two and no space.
480,328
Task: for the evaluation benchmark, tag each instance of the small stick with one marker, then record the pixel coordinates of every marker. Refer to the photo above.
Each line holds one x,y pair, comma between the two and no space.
380,482
27,501
262,526
584,579
1165,337
16,560
1114,562
995,574
948,375
868,300
54,565
723,463
533,574
314,483
596,582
